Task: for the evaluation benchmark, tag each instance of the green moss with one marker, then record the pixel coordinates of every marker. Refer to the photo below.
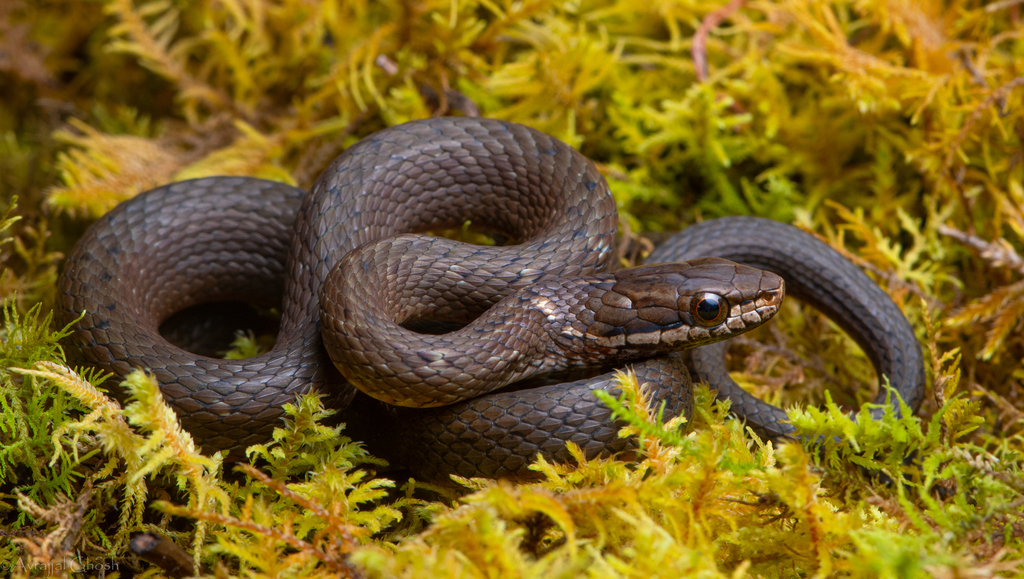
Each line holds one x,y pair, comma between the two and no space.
890,128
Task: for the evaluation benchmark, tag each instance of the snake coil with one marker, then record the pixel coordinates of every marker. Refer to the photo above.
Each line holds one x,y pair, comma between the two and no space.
342,259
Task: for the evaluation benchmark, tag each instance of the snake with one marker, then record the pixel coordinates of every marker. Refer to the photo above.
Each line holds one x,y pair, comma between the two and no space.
352,271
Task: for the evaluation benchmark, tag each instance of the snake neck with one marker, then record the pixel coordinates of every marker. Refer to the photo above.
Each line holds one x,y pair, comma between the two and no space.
551,325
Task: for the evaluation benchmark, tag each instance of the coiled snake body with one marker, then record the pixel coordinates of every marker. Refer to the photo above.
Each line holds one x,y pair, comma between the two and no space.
547,306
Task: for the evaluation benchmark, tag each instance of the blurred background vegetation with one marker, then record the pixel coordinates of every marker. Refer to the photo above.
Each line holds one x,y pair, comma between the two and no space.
892,128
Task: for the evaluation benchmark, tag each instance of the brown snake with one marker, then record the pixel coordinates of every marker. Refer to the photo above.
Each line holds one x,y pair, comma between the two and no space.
547,306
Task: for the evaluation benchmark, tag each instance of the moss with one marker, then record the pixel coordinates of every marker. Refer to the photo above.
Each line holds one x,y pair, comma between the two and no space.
890,128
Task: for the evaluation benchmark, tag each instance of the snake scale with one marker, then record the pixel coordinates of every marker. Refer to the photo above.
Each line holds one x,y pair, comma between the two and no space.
350,273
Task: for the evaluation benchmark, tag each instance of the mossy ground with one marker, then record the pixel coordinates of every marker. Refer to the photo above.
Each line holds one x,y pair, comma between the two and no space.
892,128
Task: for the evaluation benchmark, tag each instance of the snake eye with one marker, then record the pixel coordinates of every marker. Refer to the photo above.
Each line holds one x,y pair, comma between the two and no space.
709,309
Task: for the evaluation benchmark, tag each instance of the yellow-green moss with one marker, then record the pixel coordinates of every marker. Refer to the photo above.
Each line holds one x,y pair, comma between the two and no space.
892,128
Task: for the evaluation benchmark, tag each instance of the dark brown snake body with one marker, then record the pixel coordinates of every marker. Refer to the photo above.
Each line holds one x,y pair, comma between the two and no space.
547,305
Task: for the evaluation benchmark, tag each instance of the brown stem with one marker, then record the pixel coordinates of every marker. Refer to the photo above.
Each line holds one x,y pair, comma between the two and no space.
163,553
699,48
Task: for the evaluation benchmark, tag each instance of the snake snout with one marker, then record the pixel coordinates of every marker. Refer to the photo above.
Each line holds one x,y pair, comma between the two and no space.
755,297
674,306
769,298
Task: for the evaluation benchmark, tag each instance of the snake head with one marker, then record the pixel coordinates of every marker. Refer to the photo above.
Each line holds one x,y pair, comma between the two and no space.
674,306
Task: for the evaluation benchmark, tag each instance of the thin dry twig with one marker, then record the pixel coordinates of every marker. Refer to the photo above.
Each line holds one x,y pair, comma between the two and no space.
333,554
332,562
333,520
997,95
997,6
813,363
630,248
699,49
997,253
1007,410
56,548
448,99
979,77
